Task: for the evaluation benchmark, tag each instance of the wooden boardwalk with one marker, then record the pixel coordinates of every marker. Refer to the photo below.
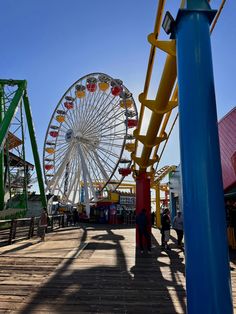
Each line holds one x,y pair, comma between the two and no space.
92,269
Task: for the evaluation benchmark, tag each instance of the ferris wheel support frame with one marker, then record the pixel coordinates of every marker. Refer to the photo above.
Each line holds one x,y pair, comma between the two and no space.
75,189
5,122
87,208
86,175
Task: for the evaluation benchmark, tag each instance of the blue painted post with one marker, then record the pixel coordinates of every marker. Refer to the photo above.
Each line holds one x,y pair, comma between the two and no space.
207,264
172,206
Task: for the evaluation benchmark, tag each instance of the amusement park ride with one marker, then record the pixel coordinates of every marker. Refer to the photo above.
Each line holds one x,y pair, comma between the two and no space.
87,139
14,169
95,127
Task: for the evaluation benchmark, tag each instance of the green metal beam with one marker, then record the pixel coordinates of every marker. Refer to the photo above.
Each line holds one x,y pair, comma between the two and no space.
12,82
2,188
10,112
34,149
25,182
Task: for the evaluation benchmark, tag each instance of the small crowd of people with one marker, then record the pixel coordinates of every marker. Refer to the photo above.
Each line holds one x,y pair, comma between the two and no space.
144,227
72,218
178,226
68,217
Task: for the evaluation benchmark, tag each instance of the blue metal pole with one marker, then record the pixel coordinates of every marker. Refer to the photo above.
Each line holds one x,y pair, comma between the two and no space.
207,264
172,206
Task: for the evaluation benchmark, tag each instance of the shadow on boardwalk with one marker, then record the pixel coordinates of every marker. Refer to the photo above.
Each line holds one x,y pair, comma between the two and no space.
108,276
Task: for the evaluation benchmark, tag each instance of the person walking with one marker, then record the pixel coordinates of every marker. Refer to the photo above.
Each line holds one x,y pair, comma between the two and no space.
43,223
178,226
75,217
142,223
165,229
153,216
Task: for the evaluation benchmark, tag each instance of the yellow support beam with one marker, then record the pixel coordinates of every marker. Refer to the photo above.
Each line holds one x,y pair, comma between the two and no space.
155,105
162,106
174,97
160,10
150,162
143,139
158,207
161,109
163,95
168,46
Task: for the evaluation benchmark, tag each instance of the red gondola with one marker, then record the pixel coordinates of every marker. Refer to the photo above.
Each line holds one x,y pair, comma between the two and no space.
132,123
116,90
124,171
48,167
91,87
69,105
53,133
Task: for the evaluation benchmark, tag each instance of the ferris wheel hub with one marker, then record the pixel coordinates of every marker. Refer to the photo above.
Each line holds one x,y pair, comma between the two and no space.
69,135
83,140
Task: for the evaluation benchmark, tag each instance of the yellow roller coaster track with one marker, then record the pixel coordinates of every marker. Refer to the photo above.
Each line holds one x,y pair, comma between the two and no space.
164,103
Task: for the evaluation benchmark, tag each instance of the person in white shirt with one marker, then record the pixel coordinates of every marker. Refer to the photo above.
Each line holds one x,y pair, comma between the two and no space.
178,225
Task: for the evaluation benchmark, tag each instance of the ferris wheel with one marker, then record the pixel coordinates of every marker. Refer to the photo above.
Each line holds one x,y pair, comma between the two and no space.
89,135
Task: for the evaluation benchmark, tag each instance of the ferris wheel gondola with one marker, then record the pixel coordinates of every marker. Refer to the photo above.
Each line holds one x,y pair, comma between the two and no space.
87,139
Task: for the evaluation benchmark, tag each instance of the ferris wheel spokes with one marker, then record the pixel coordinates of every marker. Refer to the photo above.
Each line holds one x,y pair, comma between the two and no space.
76,186
102,110
73,176
104,173
91,121
92,108
54,181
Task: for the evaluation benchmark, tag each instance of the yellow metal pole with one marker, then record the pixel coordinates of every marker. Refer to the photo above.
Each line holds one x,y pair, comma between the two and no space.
163,95
158,209
157,27
217,15
168,135
174,97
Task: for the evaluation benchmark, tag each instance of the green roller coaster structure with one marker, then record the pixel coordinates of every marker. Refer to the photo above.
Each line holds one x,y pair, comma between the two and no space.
13,98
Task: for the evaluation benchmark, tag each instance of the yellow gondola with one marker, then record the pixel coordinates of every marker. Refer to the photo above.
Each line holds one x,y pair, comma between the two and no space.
60,118
130,147
50,150
103,86
128,103
80,93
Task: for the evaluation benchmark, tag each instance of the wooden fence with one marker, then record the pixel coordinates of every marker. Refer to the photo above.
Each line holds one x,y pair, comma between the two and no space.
15,230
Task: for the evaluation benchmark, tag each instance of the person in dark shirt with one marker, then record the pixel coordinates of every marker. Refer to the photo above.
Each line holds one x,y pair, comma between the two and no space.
43,222
153,216
178,225
75,217
165,229
142,223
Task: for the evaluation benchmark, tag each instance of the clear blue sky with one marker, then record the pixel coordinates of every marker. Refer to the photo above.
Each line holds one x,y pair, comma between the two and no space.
52,43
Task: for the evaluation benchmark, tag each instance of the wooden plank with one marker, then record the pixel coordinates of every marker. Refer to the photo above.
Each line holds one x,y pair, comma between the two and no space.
106,276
